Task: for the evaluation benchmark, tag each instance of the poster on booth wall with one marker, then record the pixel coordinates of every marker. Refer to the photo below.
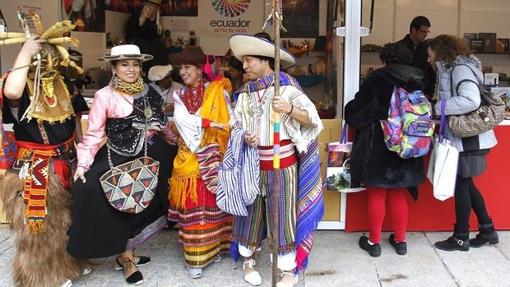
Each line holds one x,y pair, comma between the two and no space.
187,8
87,15
338,171
301,18
222,18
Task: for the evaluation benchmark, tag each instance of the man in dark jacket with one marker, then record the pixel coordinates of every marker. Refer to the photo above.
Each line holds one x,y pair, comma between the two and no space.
417,45
143,29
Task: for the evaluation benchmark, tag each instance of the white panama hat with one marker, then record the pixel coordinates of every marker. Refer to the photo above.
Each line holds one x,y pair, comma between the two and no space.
247,45
159,72
126,52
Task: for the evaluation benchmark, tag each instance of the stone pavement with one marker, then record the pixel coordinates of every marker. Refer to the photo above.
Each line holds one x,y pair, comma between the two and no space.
336,260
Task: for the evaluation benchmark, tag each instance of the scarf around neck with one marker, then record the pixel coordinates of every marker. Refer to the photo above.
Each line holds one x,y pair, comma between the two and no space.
131,89
265,82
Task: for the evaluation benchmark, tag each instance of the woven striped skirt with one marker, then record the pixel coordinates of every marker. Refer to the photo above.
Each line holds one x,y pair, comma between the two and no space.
204,230
252,229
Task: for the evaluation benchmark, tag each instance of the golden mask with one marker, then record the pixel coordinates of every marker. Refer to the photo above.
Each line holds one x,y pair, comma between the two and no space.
48,87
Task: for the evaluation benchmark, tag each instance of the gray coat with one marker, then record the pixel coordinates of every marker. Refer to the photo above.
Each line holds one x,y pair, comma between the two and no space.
466,100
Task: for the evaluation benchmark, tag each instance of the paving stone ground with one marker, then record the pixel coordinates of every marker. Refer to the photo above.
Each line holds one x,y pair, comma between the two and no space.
336,260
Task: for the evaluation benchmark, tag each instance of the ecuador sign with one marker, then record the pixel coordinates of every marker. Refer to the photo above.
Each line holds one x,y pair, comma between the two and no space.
220,18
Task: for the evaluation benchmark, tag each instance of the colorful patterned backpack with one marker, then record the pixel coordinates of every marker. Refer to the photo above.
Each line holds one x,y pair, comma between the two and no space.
409,128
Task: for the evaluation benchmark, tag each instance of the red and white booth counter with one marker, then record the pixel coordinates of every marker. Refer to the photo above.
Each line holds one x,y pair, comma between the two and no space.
428,213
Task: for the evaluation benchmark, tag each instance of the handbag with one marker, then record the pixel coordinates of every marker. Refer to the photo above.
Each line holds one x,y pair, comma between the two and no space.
490,113
131,186
444,159
338,172
239,176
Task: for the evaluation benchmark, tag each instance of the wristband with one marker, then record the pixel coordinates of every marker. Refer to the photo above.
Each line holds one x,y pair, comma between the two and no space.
291,109
85,167
206,123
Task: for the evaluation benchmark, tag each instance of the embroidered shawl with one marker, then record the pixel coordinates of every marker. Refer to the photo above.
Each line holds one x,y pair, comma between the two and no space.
186,168
291,129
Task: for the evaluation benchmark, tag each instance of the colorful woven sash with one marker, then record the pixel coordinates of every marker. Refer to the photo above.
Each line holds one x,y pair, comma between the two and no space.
267,82
36,158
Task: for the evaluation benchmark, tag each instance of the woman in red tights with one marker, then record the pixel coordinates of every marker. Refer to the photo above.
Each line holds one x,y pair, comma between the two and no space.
387,176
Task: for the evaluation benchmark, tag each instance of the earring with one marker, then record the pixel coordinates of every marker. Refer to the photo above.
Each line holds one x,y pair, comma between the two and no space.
113,81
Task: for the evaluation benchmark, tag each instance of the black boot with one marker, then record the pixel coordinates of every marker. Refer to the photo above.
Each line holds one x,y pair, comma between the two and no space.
486,235
458,241
374,250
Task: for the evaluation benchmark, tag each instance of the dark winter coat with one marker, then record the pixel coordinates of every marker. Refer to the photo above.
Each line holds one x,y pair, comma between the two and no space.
371,161
148,39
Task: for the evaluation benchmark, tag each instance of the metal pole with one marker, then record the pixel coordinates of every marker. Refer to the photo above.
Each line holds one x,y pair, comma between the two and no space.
3,28
276,142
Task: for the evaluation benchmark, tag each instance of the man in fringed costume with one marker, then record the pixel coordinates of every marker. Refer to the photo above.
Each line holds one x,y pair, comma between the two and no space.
301,202
45,112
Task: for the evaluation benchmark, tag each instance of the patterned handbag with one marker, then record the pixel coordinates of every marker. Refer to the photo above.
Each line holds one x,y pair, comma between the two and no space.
131,186
490,113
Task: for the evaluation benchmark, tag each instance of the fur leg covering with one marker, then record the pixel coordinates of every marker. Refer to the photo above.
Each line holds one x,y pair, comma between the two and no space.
41,260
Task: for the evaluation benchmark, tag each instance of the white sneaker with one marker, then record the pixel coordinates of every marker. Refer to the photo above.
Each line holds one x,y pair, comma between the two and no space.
195,273
289,279
251,275
67,283
86,271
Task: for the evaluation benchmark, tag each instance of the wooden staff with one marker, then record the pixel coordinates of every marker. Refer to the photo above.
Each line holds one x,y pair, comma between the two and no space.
276,143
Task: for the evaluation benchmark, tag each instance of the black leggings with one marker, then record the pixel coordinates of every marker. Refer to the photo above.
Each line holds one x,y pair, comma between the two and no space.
467,196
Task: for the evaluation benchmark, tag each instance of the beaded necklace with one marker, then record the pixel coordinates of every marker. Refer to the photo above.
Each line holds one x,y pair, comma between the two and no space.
193,97
256,102
255,105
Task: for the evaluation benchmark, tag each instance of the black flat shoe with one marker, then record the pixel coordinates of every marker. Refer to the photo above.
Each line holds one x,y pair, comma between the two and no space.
136,278
142,260
373,250
400,247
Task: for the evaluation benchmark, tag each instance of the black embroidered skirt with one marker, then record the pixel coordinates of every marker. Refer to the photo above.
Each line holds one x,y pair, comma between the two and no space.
98,229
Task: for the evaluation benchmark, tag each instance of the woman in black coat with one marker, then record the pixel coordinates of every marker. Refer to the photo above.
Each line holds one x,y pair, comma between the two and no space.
383,172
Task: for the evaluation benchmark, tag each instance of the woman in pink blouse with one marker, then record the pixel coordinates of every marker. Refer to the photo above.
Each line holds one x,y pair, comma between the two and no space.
127,113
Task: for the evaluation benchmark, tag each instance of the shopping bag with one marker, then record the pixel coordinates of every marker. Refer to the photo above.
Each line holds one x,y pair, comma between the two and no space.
442,171
444,160
238,175
338,171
